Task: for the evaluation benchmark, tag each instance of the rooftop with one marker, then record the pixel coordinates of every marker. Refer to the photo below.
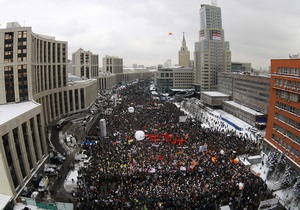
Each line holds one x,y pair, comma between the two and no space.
214,93
13,110
242,107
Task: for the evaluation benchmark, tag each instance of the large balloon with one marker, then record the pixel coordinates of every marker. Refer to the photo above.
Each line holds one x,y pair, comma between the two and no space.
130,109
139,135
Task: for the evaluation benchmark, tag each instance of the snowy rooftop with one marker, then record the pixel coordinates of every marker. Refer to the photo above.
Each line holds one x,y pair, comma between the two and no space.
10,111
242,107
231,118
4,199
214,93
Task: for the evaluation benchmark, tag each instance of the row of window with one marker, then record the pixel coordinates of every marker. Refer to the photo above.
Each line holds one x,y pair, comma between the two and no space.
288,96
33,153
288,147
287,120
289,108
284,70
286,133
287,83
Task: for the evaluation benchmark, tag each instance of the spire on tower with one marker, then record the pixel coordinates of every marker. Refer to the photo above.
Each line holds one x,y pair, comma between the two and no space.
183,41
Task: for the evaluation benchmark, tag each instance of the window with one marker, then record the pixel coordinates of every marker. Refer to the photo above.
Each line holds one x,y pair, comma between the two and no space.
282,118
292,109
294,71
293,97
285,70
291,122
284,95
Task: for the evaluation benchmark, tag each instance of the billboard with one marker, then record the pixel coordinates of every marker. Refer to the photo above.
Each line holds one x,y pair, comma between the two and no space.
215,35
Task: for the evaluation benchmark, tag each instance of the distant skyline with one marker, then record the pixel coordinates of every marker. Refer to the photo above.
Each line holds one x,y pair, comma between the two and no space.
138,31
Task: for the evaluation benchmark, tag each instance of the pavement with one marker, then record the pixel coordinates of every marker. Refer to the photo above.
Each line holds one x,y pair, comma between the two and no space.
57,190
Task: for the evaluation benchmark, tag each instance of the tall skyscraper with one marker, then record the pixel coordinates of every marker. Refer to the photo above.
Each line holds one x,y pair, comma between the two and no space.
283,130
212,53
184,54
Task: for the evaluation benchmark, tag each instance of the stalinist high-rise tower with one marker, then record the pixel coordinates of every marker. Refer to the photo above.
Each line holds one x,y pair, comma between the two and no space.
212,53
184,54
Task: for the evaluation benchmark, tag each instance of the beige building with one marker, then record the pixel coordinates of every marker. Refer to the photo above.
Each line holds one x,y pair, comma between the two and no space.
85,64
23,146
112,64
34,91
184,54
212,53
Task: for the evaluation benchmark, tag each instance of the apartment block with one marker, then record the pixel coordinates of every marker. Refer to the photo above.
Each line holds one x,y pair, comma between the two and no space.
85,64
283,130
112,64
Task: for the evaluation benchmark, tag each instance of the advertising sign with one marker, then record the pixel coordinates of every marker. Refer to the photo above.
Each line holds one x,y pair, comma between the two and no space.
215,35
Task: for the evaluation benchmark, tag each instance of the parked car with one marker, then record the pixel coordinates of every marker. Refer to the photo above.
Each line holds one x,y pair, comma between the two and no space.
36,180
81,157
43,185
56,160
50,171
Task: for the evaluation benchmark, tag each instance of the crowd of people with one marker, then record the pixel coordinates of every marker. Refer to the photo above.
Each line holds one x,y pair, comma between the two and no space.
178,164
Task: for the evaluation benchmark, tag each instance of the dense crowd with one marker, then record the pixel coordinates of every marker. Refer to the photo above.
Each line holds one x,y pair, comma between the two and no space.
178,165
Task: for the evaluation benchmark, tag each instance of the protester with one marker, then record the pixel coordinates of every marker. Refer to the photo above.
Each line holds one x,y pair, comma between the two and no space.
179,165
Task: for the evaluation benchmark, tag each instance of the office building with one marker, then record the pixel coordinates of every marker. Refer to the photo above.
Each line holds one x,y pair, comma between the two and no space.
212,53
112,64
184,54
283,130
250,90
167,79
35,92
85,64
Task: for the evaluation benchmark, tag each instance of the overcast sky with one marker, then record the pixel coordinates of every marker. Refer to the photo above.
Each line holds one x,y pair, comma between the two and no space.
138,30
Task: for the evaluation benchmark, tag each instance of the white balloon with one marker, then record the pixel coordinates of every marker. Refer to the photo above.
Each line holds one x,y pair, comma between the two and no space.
130,109
139,135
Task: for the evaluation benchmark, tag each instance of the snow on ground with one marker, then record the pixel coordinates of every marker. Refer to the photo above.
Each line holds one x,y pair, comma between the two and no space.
285,196
71,180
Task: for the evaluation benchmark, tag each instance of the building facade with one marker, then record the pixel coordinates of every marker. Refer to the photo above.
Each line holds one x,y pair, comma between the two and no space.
23,146
184,54
250,90
212,52
283,130
174,78
34,74
85,64
240,67
112,64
